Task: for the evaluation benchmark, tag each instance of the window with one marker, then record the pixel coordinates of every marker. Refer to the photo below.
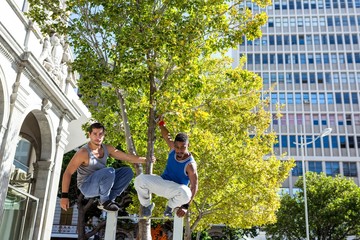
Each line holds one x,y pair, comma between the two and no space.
322,21
324,39
283,141
293,40
306,98
272,58
330,21
281,77
308,40
316,119
346,98
342,141
330,98
333,58
322,98
351,141
314,21
326,58
350,4
326,142
352,20
265,77
357,57
345,21
339,39
304,78
275,119
287,40
316,40
350,169
297,170
314,98
273,77
274,98
347,39
337,21
288,77
271,22
292,22
302,58
348,119
334,142
271,40
280,58
249,58
265,59
320,75
311,58
315,166
338,99
299,119
354,98
323,120
332,168
340,119
355,39
290,98
22,155
301,40
331,39
257,59
287,58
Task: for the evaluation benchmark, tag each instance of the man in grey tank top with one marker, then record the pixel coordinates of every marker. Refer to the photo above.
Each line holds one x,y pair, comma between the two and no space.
94,178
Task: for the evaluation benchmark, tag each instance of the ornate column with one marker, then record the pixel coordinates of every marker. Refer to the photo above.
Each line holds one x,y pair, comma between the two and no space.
53,179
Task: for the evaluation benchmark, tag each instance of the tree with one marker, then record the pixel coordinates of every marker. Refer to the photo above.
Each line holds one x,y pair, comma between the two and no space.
141,58
333,210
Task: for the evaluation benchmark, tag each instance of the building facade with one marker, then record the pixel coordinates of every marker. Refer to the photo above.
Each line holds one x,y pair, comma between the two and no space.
309,59
40,120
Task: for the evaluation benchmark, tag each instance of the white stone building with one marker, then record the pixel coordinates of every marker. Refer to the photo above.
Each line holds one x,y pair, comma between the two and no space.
40,120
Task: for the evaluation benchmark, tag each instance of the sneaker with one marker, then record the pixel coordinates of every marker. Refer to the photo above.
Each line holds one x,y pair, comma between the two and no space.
168,212
146,211
109,206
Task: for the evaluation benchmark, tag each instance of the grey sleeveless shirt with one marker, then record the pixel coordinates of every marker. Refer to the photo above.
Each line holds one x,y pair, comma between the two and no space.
94,164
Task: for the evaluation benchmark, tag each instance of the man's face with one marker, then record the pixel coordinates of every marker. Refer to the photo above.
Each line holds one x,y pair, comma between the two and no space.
97,136
181,148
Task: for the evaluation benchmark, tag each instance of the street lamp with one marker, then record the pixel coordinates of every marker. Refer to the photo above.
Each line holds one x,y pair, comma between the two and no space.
304,143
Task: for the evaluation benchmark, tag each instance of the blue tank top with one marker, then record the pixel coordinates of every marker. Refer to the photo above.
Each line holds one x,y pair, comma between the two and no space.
94,164
176,170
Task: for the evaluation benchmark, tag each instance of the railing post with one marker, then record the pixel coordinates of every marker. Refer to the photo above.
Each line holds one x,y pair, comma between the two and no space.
111,222
178,228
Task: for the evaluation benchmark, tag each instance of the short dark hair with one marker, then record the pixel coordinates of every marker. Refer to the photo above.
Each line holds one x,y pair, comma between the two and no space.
182,137
97,126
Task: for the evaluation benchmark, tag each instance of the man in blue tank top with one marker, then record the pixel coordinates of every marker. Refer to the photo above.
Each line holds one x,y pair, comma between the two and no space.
173,183
94,178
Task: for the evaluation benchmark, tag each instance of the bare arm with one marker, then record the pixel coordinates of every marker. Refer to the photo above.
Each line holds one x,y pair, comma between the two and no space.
79,158
166,135
193,176
120,155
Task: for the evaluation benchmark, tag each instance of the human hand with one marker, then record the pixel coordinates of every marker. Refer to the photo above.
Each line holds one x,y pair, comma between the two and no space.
64,203
181,212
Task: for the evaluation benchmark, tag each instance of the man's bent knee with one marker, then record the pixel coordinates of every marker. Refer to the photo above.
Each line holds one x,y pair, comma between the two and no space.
185,193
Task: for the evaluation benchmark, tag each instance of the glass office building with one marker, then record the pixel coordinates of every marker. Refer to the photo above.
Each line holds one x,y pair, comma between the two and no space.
309,56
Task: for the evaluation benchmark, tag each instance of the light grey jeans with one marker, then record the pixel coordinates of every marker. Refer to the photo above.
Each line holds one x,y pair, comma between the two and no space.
146,184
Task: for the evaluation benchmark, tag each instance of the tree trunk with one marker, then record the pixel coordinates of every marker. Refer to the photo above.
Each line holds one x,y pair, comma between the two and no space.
144,225
187,235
